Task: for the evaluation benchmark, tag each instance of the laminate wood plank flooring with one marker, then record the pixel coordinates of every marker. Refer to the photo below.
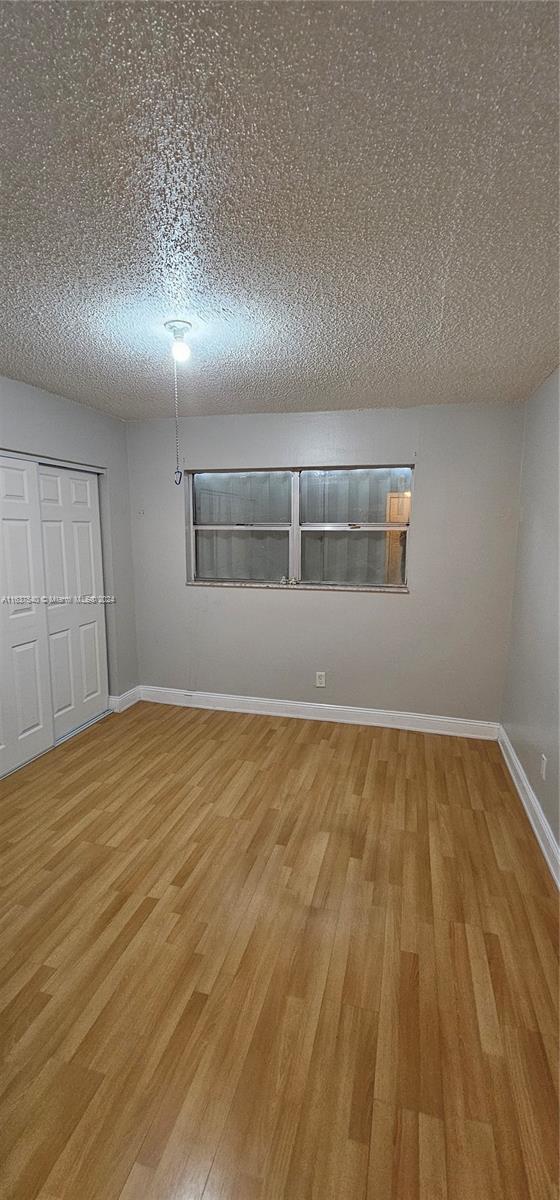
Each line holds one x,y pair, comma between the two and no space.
254,958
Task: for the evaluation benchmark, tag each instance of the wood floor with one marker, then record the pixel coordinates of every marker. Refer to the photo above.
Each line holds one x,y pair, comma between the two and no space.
250,958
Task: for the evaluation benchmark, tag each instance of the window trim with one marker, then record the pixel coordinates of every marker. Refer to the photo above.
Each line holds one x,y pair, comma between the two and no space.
294,528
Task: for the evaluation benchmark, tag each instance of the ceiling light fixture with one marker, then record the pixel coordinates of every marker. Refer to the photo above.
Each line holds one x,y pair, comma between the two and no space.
179,349
181,352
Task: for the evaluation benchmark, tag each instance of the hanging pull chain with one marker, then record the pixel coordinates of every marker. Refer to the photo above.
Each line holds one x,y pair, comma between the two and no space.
178,471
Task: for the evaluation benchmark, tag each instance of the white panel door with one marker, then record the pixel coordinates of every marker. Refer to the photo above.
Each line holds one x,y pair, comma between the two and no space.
26,724
73,568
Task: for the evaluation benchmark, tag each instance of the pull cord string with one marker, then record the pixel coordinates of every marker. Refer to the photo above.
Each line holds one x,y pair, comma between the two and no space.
178,471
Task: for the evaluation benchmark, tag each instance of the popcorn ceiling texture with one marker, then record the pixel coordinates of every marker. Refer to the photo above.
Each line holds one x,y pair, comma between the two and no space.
354,203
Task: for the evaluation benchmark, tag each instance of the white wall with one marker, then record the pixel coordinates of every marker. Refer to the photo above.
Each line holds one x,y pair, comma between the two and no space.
40,423
441,649
530,711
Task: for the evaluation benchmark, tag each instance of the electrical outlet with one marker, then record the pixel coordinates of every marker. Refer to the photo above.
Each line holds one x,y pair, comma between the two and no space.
543,766
320,679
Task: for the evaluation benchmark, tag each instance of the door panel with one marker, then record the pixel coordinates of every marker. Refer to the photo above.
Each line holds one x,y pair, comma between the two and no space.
83,557
56,574
19,571
49,489
13,481
25,696
80,492
25,658
77,638
60,649
90,661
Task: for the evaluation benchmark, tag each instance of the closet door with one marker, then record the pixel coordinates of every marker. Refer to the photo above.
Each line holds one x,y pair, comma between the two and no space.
26,725
76,631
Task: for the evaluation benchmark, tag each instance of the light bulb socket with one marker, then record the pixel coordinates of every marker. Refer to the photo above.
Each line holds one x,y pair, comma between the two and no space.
178,328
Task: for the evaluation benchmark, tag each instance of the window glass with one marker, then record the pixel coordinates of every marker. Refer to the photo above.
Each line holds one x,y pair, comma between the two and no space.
367,559
242,498
371,494
244,531
242,554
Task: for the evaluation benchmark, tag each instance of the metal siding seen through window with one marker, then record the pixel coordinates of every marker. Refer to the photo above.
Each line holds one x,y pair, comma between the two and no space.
359,495
363,558
319,528
242,555
242,498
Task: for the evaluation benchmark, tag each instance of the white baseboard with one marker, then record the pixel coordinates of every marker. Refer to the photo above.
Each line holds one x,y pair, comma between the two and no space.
311,711
120,703
530,802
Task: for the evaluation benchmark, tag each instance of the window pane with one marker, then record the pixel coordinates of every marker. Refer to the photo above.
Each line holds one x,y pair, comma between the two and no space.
242,498
374,559
365,494
242,554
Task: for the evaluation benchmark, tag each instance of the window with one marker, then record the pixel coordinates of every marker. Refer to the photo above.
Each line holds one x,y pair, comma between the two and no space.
339,528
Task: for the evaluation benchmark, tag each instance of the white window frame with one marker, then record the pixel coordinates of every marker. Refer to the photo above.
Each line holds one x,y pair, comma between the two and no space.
294,529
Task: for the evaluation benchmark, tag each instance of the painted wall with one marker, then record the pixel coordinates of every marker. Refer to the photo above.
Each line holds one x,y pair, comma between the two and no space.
530,710
40,423
442,649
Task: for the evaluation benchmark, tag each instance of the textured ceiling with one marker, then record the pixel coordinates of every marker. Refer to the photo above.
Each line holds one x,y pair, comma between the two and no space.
354,203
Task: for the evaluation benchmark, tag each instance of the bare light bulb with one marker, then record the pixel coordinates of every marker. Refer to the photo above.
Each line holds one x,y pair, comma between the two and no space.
180,351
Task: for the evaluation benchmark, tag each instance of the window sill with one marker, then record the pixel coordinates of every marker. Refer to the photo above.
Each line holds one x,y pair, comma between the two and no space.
297,587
